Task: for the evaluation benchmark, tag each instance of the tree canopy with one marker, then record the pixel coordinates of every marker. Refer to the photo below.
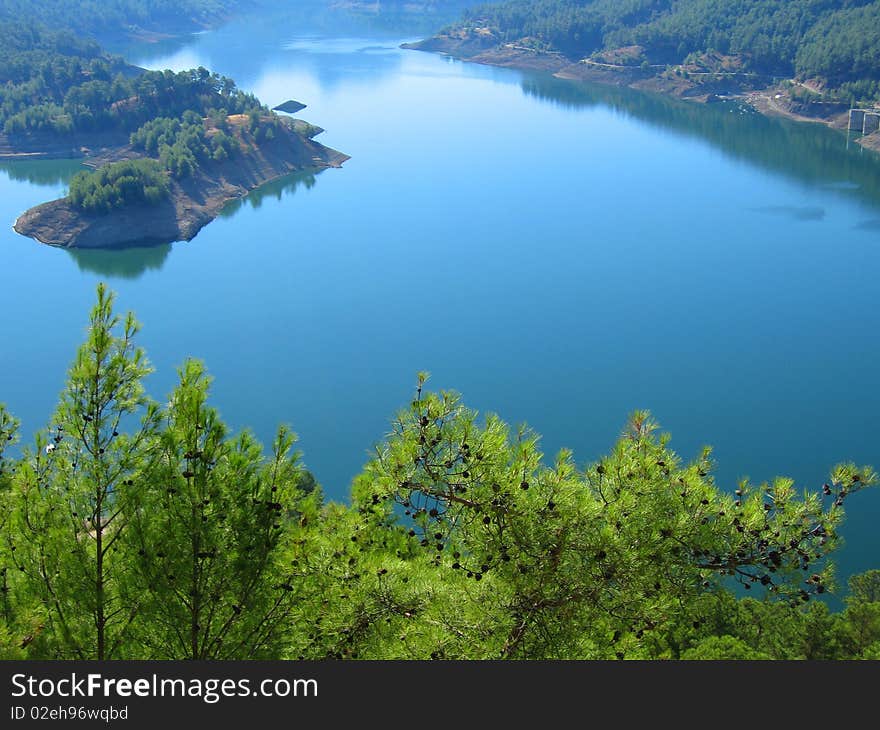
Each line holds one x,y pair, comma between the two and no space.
118,185
102,17
58,88
137,530
835,40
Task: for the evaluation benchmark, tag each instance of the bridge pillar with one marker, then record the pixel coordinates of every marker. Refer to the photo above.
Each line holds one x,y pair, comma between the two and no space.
856,119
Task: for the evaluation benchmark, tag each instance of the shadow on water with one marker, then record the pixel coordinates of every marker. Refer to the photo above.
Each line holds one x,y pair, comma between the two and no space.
793,212
123,263
812,154
275,190
133,262
128,263
41,172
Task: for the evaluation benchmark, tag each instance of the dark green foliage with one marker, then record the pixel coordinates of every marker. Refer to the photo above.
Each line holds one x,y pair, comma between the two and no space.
835,40
55,87
865,588
599,562
206,539
182,145
723,648
574,27
223,146
59,85
54,81
135,531
59,89
65,516
119,184
843,46
265,131
8,437
95,17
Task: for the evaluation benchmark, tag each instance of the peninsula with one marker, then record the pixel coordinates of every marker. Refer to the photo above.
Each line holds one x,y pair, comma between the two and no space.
187,204
166,151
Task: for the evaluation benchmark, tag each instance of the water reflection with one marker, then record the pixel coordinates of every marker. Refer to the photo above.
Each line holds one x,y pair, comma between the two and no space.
133,262
277,190
41,172
123,263
794,212
299,31
810,153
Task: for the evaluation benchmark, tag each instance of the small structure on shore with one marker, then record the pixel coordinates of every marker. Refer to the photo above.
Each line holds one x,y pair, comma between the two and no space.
865,121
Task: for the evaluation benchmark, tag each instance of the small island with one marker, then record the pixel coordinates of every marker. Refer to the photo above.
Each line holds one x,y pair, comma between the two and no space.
291,106
165,151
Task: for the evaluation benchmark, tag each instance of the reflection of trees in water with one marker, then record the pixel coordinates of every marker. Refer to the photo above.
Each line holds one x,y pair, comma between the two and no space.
123,263
276,189
309,17
232,50
409,18
809,153
41,172
131,263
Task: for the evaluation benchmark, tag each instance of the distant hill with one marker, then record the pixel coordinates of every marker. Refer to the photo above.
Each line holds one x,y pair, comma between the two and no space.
110,17
836,43
171,149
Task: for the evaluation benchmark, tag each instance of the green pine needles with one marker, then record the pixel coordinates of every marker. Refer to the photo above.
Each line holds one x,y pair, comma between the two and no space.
138,531
119,184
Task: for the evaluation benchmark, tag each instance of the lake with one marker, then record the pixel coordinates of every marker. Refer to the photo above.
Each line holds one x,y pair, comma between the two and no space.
559,253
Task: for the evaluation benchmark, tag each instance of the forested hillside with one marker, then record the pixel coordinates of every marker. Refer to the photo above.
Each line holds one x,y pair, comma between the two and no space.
837,41
58,87
98,17
55,82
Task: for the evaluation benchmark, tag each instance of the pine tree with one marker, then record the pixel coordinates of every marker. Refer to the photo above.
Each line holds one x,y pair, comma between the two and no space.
66,519
209,533
588,563
17,622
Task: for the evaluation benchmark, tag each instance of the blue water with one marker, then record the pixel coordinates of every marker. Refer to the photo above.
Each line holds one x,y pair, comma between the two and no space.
561,254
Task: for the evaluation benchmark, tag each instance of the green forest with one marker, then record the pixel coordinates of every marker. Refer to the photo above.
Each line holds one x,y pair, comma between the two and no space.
141,529
59,84
105,17
176,148
183,144
119,184
834,40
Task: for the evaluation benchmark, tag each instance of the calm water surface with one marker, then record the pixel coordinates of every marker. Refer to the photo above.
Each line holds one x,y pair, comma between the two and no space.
561,254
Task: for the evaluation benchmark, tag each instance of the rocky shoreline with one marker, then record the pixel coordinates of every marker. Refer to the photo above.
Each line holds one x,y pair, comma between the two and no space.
192,203
766,97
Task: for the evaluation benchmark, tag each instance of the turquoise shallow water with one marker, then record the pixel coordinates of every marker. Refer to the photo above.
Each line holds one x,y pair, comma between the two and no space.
559,253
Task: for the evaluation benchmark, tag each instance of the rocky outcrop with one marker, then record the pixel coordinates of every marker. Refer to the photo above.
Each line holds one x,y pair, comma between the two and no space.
193,202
